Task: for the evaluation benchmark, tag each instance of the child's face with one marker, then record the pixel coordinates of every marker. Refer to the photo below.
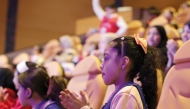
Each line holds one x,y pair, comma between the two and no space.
15,78
153,37
110,66
21,94
167,14
185,35
109,10
20,90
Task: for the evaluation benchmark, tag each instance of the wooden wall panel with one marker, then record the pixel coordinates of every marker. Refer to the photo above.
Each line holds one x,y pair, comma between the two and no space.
83,24
41,20
160,4
3,16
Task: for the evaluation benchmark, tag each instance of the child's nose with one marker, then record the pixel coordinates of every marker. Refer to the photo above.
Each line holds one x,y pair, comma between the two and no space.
101,66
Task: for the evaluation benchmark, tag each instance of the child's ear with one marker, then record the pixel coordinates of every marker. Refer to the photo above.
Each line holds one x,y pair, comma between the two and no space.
124,62
28,93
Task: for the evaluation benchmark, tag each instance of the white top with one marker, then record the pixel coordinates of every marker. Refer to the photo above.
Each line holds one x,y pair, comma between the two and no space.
100,13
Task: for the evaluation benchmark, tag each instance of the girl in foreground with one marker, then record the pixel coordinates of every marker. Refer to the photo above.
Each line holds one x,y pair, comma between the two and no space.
36,88
126,60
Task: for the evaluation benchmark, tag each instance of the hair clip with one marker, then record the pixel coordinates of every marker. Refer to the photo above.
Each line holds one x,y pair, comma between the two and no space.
122,38
142,42
22,67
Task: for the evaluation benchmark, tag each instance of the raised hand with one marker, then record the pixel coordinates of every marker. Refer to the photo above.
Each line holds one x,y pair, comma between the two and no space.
172,46
71,100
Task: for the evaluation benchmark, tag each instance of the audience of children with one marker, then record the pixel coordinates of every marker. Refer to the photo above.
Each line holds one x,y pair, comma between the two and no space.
128,59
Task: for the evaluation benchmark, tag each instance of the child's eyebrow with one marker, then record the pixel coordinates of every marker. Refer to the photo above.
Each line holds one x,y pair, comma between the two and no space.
105,54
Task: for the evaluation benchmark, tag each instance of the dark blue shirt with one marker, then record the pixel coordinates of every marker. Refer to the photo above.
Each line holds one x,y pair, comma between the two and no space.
51,105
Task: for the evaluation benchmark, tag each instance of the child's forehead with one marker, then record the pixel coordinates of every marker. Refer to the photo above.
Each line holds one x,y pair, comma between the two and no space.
110,50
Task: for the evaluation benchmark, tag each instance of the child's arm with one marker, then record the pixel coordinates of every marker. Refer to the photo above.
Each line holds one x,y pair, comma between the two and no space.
122,26
100,13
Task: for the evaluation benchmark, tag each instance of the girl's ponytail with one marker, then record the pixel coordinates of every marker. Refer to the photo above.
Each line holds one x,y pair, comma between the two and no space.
148,77
56,85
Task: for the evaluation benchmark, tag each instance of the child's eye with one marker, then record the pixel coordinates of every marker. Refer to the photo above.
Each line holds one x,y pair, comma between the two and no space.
104,59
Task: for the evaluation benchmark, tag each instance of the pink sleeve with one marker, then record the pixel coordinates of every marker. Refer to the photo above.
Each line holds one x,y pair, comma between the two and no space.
124,101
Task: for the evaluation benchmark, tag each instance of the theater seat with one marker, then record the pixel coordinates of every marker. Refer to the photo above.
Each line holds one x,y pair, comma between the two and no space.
176,88
93,39
54,69
21,57
4,61
135,27
87,76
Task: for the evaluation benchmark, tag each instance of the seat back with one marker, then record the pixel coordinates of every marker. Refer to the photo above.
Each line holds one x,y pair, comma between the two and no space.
4,61
135,27
90,44
21,57
176,88
87,76
54,69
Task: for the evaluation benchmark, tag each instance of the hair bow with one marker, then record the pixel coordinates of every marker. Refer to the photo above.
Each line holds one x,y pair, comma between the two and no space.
142,42
22,67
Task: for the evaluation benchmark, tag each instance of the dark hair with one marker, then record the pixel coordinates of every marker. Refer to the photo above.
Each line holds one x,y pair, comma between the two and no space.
34,78
163,36
37,79
188,24
40,49
6,77
153,10
59,84
112,6
144,64
187,3
171,12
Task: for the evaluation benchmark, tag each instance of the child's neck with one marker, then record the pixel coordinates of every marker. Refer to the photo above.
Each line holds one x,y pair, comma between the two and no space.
120,84
35,101
121,81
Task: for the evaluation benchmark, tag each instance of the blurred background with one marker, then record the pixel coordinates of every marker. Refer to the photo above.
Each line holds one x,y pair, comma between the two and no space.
24,23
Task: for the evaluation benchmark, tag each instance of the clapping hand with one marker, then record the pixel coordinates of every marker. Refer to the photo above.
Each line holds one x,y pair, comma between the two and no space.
3,95
71,100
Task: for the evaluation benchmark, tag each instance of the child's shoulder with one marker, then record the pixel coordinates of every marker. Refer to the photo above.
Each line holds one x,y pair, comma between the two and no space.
53,106
128,90
128,97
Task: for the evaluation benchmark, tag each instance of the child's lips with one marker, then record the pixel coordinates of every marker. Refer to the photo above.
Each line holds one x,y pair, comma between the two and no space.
103,74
